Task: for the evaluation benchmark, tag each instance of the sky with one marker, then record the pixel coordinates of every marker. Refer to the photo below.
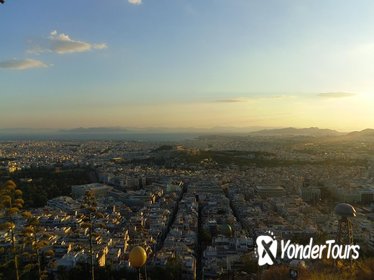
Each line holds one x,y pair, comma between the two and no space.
187,63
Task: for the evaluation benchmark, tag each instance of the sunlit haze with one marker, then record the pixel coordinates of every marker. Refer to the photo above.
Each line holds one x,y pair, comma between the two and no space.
187,63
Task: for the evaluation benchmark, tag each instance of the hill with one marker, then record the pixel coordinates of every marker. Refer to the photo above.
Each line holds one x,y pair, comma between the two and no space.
291,131
363,133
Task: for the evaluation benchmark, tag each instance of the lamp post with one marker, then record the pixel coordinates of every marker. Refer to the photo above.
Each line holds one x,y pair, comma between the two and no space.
137,258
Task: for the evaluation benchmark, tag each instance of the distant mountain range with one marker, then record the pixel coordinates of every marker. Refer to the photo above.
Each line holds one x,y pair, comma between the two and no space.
119,130
291,131
181,133
94,130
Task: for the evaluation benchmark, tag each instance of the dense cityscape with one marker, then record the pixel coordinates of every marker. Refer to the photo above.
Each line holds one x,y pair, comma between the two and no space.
186,140
195,207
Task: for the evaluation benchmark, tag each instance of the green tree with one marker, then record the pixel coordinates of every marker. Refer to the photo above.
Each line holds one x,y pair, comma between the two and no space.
11,203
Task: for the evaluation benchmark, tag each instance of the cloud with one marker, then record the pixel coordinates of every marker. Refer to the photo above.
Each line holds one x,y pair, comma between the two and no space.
135,2
100,46
62,43
229,100
336,94
22,64
253,98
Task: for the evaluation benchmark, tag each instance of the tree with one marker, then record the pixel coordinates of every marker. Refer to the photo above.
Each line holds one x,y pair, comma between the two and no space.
11,203
32,236
280,272
174,268
89,206
206,237
249,263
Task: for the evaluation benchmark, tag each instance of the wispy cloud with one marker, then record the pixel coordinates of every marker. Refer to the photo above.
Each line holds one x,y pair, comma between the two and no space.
229,100
22,64
253,98
100,46
336,94
135,2
62,43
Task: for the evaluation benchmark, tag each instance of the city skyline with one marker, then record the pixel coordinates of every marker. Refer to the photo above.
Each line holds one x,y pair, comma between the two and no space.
186,64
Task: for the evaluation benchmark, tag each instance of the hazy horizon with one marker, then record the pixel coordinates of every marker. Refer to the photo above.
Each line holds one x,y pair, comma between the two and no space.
160,129
182,63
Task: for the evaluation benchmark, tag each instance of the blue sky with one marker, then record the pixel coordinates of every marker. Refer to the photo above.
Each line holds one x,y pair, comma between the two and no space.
183,63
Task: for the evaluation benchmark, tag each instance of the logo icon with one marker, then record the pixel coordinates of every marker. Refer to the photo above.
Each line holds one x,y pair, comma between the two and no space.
266,249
